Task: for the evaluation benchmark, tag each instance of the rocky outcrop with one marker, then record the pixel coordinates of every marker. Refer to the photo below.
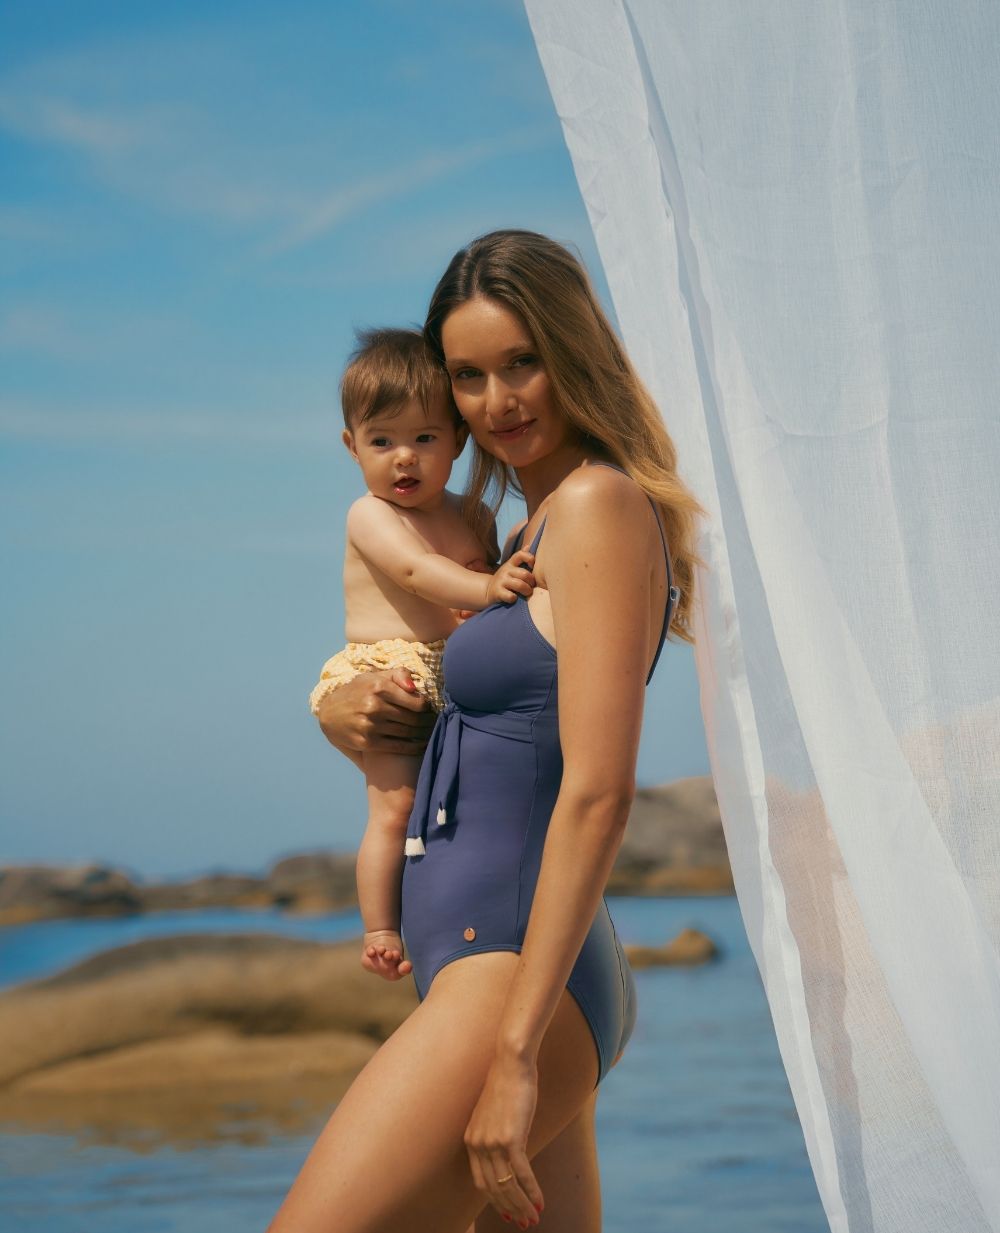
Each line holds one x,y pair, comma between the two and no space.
313,882
194,1037
40,892
182,1036
673,846
690,947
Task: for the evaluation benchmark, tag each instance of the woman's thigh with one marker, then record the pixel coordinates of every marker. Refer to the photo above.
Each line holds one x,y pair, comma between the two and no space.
391,1158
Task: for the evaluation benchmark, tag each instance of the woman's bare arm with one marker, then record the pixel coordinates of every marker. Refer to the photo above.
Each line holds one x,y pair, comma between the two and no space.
598,542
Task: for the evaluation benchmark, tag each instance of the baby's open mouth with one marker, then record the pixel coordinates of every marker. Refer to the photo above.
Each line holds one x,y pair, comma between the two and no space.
405,483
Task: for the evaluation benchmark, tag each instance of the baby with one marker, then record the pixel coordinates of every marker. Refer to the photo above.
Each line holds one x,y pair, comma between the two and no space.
412,564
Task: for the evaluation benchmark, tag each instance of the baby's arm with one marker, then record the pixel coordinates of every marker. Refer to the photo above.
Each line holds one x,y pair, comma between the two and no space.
376,531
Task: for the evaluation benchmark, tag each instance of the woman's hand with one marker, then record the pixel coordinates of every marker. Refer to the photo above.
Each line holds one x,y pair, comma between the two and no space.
496,1139
377,712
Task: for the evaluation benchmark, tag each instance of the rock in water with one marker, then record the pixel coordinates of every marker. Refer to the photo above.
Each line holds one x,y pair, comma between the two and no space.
689,947
39,892
674,843
193,1036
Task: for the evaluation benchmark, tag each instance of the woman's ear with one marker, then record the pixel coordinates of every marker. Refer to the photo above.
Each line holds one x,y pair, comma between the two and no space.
348,439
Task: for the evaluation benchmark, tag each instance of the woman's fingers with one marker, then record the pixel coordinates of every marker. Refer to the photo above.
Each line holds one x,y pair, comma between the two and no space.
400,690
505,1188
355,716
524,1174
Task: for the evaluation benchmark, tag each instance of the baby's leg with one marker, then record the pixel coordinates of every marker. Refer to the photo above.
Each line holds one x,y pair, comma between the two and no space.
391,780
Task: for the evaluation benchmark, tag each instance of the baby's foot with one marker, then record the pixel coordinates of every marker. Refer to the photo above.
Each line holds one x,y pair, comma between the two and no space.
382,954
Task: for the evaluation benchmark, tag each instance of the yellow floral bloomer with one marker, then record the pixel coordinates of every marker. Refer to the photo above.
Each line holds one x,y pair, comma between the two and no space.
421,659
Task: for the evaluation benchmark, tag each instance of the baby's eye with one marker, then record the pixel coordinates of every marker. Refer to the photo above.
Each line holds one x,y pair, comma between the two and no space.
425,438
380,442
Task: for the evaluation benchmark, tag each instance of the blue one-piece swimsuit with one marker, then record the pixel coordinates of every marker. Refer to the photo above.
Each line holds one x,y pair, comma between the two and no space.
487,787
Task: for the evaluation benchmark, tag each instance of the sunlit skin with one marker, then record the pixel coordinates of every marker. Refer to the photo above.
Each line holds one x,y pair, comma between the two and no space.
406,457
410,561
482,1101
504,395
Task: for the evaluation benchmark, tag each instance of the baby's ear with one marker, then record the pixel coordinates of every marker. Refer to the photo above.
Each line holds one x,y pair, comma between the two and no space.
348,439
461,436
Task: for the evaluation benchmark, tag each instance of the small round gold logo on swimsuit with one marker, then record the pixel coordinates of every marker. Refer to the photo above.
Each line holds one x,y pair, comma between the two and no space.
470,934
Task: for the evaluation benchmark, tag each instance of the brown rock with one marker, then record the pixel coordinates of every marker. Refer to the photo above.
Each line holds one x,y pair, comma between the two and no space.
206,1085
674,843
39,892
689,947
256,985
214,890
193,1037
312,878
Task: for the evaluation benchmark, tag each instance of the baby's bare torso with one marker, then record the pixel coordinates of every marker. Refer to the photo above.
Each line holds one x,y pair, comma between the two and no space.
376,607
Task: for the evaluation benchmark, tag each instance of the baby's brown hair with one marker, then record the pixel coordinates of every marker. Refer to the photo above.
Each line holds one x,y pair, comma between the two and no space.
387,369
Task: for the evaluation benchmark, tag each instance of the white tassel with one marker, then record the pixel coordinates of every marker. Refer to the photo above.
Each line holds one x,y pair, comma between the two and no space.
414,847
442,817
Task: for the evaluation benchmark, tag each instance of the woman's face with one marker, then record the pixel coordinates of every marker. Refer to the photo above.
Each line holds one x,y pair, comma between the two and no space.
500,385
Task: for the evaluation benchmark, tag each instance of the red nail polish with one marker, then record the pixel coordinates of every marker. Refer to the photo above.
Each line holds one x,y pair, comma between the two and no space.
538,1207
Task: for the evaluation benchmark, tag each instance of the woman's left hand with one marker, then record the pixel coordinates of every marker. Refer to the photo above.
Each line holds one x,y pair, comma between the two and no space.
496,1139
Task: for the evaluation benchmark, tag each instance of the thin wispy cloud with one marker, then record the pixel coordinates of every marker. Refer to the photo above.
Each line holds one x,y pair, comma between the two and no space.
433,166
64,122
39,330
187,156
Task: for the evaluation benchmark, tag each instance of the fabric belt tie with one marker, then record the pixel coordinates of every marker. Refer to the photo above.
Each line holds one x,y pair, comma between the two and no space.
437,787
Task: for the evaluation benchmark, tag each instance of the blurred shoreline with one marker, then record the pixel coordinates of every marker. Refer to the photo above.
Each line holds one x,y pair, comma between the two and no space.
673,845
189,1038
196,1035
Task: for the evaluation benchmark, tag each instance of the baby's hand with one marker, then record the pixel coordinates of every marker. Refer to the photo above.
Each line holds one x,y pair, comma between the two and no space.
382,953
512,579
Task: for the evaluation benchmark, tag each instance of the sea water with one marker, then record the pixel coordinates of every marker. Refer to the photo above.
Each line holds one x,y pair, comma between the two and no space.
696,1126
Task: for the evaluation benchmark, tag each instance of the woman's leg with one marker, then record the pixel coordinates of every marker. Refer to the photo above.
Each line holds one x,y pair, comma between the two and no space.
391,1158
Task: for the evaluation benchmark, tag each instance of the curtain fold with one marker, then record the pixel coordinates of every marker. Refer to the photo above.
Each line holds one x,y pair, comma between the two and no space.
796,207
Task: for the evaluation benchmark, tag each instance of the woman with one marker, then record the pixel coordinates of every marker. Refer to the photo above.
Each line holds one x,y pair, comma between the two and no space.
481,1106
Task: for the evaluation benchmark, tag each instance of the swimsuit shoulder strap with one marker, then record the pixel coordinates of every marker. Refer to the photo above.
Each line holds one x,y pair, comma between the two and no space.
673,594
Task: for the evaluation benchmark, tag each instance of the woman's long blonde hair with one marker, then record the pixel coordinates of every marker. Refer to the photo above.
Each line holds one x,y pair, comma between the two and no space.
594,384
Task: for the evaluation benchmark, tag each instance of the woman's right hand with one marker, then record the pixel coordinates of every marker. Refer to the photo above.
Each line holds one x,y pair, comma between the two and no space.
377,712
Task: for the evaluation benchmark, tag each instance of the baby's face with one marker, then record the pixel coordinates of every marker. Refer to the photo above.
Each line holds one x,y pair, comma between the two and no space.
406,456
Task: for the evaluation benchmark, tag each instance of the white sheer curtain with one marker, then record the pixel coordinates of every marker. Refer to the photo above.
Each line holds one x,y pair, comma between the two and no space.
798,210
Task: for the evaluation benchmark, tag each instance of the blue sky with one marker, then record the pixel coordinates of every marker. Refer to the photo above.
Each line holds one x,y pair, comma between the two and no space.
198,205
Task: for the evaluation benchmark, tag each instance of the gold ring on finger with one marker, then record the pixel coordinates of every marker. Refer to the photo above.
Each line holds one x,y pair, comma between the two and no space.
501,1180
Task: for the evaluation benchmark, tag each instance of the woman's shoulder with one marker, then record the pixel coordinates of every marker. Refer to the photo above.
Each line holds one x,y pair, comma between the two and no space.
597,490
